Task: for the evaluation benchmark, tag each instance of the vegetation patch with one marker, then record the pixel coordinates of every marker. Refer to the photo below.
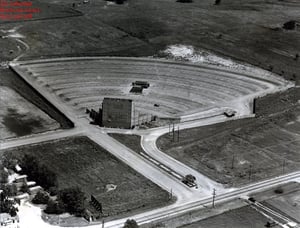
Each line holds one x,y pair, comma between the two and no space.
242,151
18,117
131,141
245,217
79,162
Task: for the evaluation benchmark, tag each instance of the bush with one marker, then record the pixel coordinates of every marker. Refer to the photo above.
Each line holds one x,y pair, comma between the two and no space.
53,191
290,25
3,176
7,205
9,162
41,197
37,172
72,200
130,223
54,207
10,190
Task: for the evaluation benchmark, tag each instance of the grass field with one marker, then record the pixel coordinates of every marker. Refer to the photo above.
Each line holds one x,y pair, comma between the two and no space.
46,11
131,141
19,117
242,151
80,162
13,81
245,217
286,203
247,30
289,204
143,28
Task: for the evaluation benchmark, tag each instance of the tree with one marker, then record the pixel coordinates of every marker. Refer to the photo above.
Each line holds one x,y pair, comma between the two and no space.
3,176
130,223
46,177
10,190
41,174
290,25
53,191
9,162
217,2
41,197
72,200
54,207
7,205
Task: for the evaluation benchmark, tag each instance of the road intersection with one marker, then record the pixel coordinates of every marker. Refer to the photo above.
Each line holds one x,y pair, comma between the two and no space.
187,199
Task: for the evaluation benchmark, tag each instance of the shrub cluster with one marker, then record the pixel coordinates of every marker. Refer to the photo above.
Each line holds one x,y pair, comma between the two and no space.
41,197
71,200
38,172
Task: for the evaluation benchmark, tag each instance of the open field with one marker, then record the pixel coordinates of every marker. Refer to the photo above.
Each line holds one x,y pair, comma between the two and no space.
240,151
289,204
18,117
142,28
180,90
245,217
13,81
131,141
286,202
69,36
10,38
80,162
224,29
45,11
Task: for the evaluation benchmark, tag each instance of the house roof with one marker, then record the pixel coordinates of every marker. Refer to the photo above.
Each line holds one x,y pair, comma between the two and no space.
5,216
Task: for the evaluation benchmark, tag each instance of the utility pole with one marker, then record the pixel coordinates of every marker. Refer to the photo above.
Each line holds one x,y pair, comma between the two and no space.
283,166
169,128
214,197
178,134
173,131
232,161
103,223
171,194
250,171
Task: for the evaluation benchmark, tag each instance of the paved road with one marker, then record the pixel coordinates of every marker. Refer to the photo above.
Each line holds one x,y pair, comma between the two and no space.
38,138
131,158
187,199
206,201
